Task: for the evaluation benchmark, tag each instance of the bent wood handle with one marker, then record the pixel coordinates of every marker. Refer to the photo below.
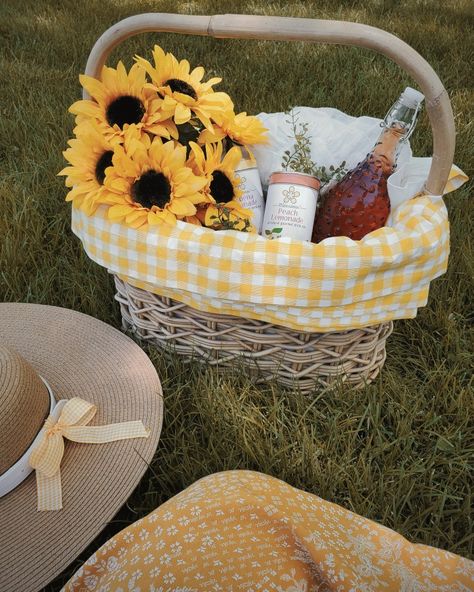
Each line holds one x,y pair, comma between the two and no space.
238,26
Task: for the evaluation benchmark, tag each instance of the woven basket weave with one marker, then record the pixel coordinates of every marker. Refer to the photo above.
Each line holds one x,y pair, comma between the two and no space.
294,359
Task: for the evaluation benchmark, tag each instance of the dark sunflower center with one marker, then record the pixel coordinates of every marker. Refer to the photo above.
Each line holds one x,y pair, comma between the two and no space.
125,109
181,86
104,161
151,189
221,187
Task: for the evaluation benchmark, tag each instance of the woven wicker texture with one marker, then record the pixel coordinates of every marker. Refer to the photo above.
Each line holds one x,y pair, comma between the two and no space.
24,405
294,359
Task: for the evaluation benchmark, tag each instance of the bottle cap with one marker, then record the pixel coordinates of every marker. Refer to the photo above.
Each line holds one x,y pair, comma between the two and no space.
246,163
411,97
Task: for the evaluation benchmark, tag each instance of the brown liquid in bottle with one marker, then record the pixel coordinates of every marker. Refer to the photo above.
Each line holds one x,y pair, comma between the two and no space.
359,203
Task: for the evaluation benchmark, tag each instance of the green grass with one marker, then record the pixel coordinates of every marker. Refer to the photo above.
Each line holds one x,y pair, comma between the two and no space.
400,451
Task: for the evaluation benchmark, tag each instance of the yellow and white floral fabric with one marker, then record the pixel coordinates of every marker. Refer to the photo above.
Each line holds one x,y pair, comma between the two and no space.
241,531
335,285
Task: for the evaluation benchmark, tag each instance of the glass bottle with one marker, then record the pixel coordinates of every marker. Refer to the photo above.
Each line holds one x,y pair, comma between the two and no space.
359,202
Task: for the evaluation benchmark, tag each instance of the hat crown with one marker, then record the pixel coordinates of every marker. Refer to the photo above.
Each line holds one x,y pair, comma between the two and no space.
24,406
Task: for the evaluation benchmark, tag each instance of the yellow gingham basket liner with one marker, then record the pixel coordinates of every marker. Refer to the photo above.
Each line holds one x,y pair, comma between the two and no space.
335,285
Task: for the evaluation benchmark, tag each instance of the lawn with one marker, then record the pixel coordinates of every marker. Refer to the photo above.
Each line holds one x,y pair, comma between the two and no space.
399,451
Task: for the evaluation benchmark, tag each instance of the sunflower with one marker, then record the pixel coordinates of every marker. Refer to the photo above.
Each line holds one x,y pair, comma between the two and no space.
90,155
183,93
120,100
241,129
222,185
150,183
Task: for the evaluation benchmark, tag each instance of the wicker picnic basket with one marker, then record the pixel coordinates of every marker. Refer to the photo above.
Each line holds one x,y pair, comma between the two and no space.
292,356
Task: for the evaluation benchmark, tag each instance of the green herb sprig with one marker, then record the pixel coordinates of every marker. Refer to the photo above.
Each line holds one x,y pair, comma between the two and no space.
299,158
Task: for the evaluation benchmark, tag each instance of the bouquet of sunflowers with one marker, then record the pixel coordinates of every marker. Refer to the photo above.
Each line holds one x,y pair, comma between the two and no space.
157,144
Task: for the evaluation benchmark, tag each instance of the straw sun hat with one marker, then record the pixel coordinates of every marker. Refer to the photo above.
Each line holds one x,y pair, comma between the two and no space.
49,354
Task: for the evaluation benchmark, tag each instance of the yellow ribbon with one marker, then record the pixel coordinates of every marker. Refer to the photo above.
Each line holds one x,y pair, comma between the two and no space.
71,424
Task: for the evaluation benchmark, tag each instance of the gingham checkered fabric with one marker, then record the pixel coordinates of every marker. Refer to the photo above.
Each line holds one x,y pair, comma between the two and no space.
335,285
72,423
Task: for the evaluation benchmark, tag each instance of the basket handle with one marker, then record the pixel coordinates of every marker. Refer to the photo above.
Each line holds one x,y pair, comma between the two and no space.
238,26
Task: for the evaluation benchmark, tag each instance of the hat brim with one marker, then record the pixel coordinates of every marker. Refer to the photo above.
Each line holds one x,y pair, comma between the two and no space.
78,356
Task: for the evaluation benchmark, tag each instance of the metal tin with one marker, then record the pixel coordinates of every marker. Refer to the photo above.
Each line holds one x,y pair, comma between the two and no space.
291,205
295,179
251,186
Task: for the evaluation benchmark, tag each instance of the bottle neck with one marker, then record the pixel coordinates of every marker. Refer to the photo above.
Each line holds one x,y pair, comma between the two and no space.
403,117
398,125
388,146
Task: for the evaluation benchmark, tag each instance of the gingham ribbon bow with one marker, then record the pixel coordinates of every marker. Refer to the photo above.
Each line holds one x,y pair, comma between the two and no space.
71,424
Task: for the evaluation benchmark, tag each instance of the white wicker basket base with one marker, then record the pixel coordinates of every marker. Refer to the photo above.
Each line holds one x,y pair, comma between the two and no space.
295,359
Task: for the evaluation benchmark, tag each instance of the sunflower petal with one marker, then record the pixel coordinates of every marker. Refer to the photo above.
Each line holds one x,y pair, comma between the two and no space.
182,114
232,158
208,137
170,218
95,88
118,211
181,207
85,107
197,74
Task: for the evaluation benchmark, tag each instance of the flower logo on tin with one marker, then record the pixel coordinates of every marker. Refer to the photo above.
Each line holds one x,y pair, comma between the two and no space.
241,181
290,195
